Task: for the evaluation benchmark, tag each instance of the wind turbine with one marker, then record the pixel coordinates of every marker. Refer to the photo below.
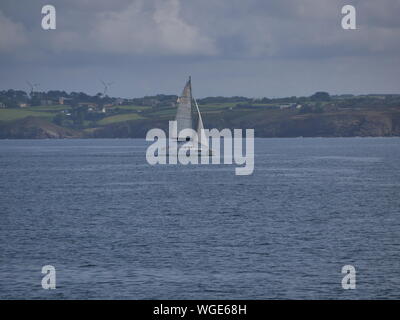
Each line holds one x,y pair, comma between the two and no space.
32,87
106,87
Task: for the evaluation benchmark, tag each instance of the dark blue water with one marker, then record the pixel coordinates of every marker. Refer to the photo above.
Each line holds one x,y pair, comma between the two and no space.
115,227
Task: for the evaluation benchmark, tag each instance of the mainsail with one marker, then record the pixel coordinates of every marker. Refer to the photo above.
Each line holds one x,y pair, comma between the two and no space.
197,144
184,112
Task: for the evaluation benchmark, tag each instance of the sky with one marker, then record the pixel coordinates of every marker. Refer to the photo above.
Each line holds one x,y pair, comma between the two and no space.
253,48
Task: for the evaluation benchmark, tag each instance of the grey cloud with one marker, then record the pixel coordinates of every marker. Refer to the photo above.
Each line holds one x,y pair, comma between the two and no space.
12,35
281,28
160,30
236,46
222,28
141,27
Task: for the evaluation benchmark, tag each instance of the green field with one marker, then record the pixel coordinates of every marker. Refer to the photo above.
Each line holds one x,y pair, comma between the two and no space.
134,108
204,109
120,118
137,112
55,108
164,112
215,106
14,114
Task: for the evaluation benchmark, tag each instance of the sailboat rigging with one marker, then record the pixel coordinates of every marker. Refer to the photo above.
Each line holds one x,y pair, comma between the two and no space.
198,143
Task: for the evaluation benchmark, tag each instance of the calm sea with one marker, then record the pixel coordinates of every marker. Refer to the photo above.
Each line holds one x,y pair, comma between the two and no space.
115,227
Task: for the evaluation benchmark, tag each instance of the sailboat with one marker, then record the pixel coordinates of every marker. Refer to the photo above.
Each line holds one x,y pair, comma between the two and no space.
198,144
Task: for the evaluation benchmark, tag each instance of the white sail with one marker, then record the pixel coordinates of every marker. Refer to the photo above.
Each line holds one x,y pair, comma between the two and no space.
202,139
184,112
199,143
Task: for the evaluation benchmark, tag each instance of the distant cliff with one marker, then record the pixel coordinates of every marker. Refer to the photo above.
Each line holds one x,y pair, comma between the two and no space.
334,124
35,128
337,124
277,123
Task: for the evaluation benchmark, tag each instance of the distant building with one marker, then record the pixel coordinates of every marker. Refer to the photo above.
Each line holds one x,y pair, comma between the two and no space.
153,102
330,107
46,102
63,100
2,105
119,101
90,105
290,105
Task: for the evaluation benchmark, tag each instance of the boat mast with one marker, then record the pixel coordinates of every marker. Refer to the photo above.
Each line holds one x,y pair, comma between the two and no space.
184,112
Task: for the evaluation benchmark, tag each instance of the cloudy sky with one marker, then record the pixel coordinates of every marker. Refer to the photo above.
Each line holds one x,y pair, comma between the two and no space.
254,48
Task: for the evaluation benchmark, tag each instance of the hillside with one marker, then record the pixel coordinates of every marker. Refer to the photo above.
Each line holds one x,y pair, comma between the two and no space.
35,128
267,124
319,115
